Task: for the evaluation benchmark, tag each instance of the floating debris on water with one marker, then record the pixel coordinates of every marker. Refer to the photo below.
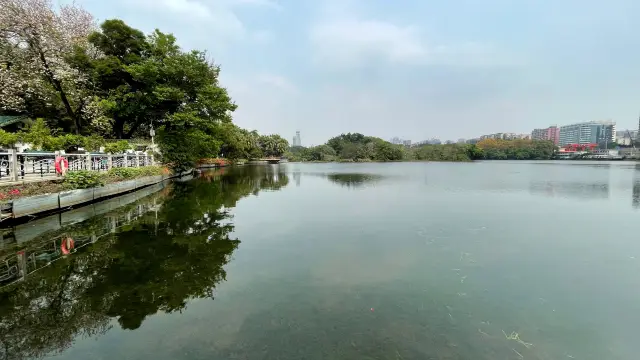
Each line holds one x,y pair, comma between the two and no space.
520,355
462,280
515,336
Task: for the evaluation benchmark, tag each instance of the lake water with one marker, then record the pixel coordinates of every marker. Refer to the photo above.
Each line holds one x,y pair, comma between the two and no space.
487,260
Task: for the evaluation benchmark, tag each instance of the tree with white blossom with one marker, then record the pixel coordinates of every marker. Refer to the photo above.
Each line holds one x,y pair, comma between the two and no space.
35,41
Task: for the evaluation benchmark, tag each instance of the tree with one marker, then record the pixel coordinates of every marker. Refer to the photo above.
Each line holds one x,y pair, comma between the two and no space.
273,145
37,80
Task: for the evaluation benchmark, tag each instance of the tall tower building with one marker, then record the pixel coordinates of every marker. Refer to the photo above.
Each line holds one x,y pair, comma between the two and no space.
296,140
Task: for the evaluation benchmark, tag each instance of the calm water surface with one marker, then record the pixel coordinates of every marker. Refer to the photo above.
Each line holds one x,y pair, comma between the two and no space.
489,260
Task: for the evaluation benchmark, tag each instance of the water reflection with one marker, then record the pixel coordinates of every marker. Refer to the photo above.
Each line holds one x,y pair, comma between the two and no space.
153,255
571,189
353,180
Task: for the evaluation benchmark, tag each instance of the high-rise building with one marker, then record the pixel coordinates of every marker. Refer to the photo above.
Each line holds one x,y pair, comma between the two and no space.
296,139
592,132
552,133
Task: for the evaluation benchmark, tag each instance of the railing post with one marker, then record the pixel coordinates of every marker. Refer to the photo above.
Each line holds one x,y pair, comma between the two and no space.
88,165
151,160
126,162
109,161
13,165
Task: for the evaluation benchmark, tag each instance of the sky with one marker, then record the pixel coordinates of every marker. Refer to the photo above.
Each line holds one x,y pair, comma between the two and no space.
413,69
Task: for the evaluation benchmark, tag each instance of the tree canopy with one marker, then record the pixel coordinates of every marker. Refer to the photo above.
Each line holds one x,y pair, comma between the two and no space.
116,82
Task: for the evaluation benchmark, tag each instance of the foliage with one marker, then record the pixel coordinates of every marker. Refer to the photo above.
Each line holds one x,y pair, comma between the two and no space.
35,41
118,147
148,80
214,161
37,134
115,82
123,173
82,179
445,152
273,145
7,139
182,148
92,143
495,149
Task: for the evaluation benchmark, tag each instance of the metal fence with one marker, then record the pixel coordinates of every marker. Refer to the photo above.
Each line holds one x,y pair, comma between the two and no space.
15,166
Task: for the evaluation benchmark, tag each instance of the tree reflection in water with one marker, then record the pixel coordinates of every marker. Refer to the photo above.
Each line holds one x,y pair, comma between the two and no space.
354,180
158,262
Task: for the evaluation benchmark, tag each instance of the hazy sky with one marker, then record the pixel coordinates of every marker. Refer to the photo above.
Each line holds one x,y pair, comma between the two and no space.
414,69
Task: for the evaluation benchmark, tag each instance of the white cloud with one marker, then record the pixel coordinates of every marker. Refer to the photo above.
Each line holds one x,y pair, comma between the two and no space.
219,15
343,37
351,41
277,81
262,36
265,3
187,7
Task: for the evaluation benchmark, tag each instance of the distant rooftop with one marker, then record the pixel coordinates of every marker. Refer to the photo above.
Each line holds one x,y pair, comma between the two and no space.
11,119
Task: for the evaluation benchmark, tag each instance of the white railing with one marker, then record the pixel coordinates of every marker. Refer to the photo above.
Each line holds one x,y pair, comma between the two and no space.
19,166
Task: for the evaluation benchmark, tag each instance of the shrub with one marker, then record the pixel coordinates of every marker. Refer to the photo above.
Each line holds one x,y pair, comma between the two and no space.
93,143
82,179
7,139
71,142
123,173
131,173
117,147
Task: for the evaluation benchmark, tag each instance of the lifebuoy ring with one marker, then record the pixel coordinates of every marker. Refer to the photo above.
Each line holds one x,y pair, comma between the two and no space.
66,245
62,164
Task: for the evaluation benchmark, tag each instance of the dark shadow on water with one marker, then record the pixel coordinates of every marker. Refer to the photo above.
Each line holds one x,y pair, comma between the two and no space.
354,180
150,256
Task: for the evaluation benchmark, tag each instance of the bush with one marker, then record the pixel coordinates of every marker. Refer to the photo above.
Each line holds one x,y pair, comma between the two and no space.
123,173
132,173
8,139
117,147
93,143
82,179
71,142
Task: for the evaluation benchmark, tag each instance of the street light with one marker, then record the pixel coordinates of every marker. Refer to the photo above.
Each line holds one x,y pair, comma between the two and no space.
152,133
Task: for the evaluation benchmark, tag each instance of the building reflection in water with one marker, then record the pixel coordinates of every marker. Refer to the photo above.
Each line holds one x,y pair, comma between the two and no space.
575,189
296,177
587,181
151,255
635,195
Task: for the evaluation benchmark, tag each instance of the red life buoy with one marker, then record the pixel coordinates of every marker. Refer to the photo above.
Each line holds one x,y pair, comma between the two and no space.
67,245
62,164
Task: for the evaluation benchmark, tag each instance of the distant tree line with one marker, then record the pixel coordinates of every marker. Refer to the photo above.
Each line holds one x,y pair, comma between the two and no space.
358,148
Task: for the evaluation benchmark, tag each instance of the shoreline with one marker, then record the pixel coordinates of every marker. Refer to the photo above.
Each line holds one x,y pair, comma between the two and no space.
45,204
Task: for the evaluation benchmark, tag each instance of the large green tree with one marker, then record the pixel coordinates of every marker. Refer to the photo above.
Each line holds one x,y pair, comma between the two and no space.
273,145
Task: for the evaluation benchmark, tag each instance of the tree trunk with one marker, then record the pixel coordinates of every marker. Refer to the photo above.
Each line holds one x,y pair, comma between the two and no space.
58,86
135,127
118,128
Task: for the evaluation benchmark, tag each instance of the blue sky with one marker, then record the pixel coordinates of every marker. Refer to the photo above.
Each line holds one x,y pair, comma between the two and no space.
413,69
